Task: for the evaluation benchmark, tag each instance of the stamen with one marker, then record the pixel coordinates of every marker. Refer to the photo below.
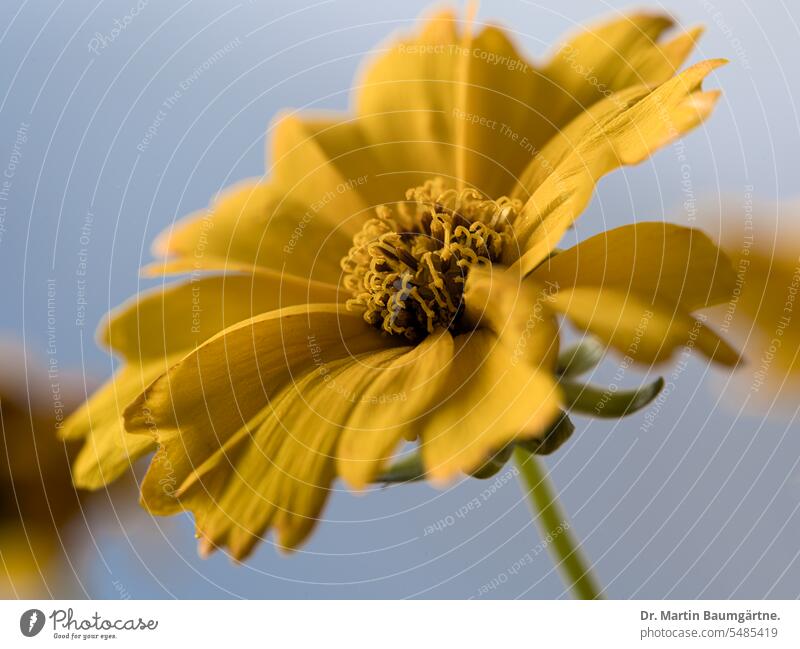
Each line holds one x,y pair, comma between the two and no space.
407,267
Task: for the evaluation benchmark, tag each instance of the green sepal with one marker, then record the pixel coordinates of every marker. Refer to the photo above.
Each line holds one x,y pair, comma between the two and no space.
560,431
580,358
494,464
596,402
409,469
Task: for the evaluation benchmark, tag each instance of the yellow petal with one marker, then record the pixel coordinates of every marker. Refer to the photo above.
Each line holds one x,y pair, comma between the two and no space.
337,158
238,385
307,169
254,224
600,60
230,230
522,320
643,331
407,94
276,470
219,387
189,266
152,333
506,108
572,136
305,464
499,116
624,138
492,402
399,395
655,65
279,476
182,461
514,108
178,317
108,450
657,262
106,454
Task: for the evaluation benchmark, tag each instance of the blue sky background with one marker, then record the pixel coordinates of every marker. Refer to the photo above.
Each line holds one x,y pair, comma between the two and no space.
704,503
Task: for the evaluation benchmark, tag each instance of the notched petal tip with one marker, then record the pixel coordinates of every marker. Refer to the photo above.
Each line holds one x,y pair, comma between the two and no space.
703,102
717,349
136,416
205,548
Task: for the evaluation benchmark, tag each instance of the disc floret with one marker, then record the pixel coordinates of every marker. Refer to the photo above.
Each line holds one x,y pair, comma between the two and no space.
407,267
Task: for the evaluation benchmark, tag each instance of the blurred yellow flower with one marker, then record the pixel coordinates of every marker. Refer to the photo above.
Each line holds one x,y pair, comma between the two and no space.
37,498
394,277
763,314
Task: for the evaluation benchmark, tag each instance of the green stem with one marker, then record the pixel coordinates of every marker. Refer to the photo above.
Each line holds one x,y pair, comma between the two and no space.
553,524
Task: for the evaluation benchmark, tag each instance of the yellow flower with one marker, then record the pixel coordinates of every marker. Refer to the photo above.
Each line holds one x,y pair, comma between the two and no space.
37,498
763,313
394,277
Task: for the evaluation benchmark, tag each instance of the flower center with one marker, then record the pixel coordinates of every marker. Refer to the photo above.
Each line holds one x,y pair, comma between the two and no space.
408,266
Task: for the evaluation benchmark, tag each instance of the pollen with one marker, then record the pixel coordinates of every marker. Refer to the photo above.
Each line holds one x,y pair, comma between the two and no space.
407,267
